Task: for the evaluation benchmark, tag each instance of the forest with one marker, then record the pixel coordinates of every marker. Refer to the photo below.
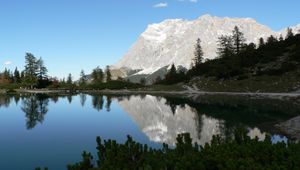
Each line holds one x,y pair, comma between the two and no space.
35,76
238,60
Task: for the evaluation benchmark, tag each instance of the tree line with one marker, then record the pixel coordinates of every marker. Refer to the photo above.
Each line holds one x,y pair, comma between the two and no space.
35,75
237,59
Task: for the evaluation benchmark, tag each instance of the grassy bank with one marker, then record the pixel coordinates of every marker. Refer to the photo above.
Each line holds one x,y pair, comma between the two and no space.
288,82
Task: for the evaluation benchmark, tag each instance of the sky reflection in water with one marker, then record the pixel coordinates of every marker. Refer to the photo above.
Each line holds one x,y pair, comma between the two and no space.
39,130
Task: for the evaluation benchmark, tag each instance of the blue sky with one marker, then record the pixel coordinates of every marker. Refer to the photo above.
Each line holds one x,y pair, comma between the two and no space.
71,35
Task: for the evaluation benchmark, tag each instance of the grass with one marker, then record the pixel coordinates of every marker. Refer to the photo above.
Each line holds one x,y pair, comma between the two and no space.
176,87
288,82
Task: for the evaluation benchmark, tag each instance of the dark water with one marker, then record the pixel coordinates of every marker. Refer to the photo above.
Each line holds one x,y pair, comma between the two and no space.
52,130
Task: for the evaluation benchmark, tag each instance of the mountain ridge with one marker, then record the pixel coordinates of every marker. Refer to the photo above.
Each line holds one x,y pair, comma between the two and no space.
172,41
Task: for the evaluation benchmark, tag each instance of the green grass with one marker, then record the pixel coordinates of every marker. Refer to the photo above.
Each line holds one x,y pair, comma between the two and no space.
9,86
176,87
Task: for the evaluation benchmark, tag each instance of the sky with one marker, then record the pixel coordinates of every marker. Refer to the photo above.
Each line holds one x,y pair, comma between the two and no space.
71,35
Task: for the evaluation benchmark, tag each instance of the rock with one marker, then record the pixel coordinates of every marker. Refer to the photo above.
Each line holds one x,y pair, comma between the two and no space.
291,127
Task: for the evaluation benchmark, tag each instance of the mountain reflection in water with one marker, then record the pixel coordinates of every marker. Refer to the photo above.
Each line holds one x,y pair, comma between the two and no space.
161,119
161,123
39,126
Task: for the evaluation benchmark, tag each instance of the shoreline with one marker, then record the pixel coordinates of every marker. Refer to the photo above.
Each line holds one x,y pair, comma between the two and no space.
183,92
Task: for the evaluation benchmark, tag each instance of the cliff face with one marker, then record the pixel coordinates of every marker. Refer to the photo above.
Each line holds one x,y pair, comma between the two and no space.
172,41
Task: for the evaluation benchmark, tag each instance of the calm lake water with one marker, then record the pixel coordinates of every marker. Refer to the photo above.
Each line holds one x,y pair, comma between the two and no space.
51,130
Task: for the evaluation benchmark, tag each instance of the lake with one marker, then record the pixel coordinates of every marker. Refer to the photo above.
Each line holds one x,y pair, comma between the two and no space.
53,130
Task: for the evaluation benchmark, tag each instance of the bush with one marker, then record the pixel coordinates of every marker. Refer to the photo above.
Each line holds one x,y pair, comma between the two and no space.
241,152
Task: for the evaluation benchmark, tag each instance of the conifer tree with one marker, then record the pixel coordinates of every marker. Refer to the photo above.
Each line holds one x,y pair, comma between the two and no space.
22,75
261,42
225,48
17,76
7,74
271,40
82,80
281,38
238,40
108,74
31,70
289,33
70,79
143,81
171,76
42,70
198,53
97,75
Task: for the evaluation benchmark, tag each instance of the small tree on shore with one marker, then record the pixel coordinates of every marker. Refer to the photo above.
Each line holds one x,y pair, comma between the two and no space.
70,79
82,80
108,74
17,76
97,75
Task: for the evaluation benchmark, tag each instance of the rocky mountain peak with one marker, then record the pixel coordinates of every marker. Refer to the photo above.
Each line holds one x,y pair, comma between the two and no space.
172,41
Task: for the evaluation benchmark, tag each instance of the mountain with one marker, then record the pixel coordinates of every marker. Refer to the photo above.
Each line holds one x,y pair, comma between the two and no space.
162,124
172,41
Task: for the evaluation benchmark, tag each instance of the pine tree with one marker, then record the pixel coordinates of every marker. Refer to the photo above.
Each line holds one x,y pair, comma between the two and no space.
271,40
17,76
289,33
225,48
261,42
70,79
82,80
31,70
281,38
97,75
108,74
198,53
143,81
6,74
171,76
238,40
22,75
42,70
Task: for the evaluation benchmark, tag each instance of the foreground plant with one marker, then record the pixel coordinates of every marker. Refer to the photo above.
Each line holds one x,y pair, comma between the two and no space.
238,153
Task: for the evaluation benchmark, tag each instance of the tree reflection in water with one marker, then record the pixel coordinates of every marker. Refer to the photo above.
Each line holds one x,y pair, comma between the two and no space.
108,103
98,102
162,118
5,101
70,98
35,108
82,99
